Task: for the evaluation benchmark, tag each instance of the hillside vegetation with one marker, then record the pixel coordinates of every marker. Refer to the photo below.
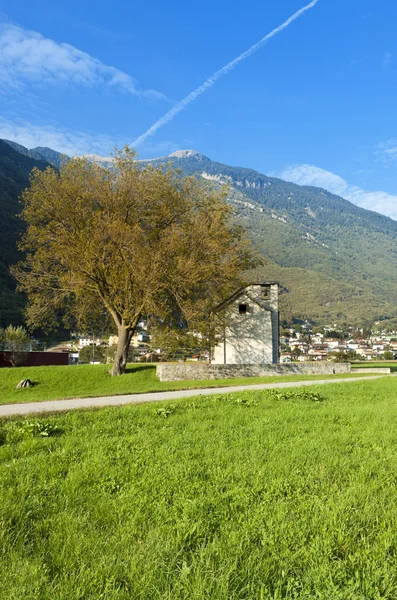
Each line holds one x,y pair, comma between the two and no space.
335,262
15,169
256,495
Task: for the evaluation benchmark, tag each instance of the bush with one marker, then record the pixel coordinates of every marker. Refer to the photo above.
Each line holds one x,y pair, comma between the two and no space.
91,353
15,340
303,394
29,429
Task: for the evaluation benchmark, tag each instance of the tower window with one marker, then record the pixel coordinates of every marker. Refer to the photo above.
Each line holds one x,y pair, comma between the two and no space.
265,291
242,308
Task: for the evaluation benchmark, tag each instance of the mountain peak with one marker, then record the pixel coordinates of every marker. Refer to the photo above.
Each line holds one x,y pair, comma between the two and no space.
97,158
186,153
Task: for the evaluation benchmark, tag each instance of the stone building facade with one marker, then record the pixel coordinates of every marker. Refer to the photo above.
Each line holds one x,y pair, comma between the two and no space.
251,331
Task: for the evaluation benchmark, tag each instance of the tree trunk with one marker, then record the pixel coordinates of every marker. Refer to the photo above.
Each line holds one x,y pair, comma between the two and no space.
123,346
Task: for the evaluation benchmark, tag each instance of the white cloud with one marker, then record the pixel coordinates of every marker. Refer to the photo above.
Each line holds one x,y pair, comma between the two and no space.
388,152
58,138
27,56
74,143
387,60
380,202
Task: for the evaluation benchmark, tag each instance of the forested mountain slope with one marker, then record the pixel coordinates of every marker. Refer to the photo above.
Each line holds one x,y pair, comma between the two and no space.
15,168
50,156
334,260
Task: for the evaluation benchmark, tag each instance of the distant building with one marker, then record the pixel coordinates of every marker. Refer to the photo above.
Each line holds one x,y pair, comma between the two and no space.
286,357
89,341
251,335
332,343
113,340
353,345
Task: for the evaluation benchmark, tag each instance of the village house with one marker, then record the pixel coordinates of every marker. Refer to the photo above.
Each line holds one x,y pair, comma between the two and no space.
299,344
340,348
250,334
89,341
332,343
378,345
313,355
303,358
318,352
317,338
353,345
138,339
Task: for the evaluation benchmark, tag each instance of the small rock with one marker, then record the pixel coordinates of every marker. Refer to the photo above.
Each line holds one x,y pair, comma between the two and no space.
24,383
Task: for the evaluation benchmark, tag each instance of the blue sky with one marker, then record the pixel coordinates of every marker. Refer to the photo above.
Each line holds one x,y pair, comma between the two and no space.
317,104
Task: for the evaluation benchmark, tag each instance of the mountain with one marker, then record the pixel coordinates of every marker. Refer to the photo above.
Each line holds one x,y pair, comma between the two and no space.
48,155
103,161
15,168
336,262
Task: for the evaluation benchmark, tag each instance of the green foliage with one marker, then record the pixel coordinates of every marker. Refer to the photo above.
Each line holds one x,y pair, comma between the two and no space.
14,177
16,341
92,353
310,395
286,500
242,400
19,430
338,335
165,412
343,355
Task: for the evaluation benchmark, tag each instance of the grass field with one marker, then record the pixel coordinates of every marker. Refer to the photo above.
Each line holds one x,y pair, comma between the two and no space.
82,381
251,496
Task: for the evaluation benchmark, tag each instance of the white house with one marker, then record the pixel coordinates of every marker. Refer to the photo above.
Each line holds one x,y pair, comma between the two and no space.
332,343
251,326
89,341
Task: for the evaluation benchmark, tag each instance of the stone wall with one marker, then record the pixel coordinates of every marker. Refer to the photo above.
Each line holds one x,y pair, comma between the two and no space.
386,370
198,371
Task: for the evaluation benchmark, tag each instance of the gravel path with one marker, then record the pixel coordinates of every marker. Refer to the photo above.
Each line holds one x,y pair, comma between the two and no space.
75,403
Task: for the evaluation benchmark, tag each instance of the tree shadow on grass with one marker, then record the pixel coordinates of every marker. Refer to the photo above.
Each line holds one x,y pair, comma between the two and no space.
140,368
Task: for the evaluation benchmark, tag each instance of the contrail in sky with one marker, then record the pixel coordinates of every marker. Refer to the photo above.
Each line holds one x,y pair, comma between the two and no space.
217,75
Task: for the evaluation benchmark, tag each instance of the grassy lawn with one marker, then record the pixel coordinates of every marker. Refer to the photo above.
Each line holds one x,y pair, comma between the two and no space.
82,381
256,495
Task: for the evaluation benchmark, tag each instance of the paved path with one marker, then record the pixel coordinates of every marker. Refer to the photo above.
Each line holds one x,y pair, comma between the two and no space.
63,405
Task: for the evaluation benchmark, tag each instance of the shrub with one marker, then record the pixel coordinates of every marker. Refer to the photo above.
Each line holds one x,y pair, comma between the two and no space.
29,429
302,394
89,353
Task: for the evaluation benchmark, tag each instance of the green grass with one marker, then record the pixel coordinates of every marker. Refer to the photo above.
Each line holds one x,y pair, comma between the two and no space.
231,497
82,381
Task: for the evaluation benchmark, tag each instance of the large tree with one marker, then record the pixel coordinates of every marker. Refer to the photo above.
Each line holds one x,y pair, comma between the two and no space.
132,240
